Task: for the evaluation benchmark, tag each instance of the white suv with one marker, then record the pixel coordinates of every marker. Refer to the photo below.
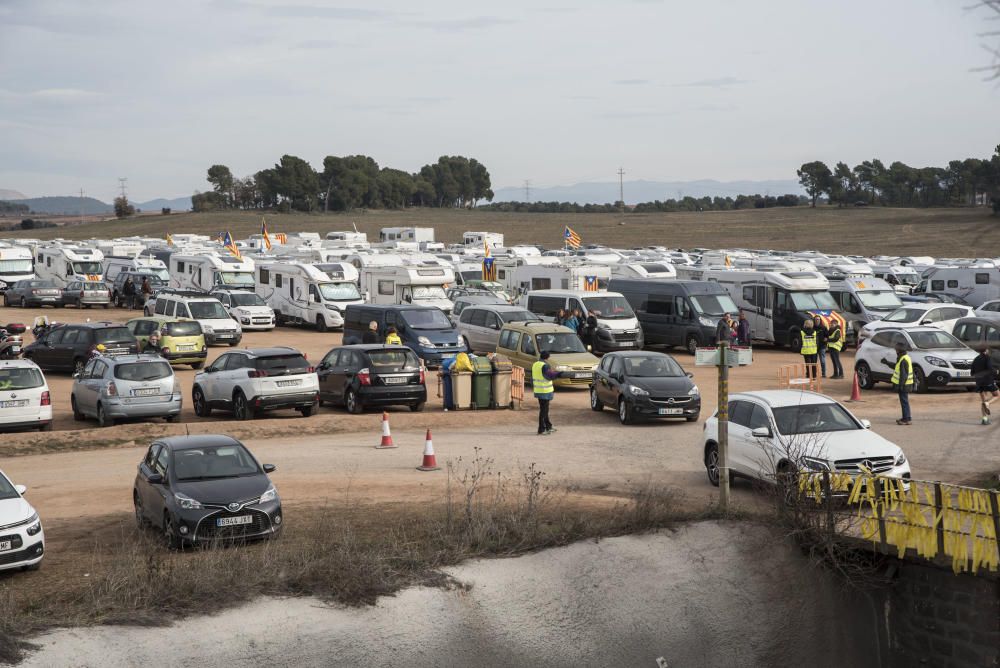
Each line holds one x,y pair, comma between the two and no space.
246,308
942,316
251,380
217,325
22,542
25,402
938,358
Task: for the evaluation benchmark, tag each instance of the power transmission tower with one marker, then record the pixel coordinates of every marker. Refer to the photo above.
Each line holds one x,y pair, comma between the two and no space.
81,205
121,182
621,188
527,190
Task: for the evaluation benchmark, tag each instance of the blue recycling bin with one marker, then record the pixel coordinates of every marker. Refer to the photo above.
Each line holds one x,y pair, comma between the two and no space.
449,402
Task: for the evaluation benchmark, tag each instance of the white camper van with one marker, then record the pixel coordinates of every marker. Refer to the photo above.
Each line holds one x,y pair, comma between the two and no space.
210,271
16,264
520,275
346,239
480,239
302,293
975,285
863,299
408,284
902,279
617,325
114,265
65,264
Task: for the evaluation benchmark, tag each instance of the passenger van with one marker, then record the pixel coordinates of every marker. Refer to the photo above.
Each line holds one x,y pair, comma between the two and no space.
864,300
617,326
424,329
676,313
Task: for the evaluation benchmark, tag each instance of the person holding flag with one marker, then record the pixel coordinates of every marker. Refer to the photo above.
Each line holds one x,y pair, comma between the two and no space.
230,245
263,234
571,238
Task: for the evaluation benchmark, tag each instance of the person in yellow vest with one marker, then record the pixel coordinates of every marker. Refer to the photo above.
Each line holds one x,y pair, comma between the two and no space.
810,347
834,344
542,376
902,380
392,338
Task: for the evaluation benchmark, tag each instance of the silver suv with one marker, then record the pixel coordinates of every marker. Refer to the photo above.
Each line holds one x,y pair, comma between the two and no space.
479,324
124,387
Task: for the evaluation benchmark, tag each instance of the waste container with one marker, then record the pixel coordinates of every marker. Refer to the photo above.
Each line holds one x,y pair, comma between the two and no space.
445,375
461,390
502,370
482,382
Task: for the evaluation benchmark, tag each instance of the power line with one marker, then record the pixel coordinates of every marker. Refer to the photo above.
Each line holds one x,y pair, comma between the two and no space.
121,182
527,190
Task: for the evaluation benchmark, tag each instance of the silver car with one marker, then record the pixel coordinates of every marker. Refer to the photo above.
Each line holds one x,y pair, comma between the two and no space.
479,324
124,387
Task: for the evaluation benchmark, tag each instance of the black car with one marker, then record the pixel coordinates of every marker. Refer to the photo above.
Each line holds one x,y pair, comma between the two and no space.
359,376
68,347
118,296
33,292
641,383
200,489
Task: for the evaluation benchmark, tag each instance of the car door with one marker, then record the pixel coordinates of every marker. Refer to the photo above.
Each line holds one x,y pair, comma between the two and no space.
491,332
87,386
881,355
759,459
476,327
601,372
212,377
64,351
744,452
158,493
616,377
147,496
42,352
348,364
325,373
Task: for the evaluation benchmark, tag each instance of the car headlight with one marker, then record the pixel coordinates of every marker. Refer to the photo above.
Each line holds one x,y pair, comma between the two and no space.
207,329
815,464
333,307
424,341
900,460
270,495
694,391
34,529
562,367
186,502
935,361
707,322
637,391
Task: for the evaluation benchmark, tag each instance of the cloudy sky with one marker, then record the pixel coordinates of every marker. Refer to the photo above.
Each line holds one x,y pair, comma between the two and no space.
553,91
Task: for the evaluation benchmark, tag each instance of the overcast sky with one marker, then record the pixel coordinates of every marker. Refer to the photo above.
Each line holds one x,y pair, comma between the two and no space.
553,91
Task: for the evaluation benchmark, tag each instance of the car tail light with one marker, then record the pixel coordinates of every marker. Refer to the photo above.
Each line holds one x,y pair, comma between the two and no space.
46,398
256,373
364,377
112,389
423,380
310,369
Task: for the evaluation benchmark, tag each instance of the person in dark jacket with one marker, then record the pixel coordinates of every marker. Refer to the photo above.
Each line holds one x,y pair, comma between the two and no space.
152,344
986,381
371,336
128,290
902,381
822,335
743,330
590,331
542,375
724,329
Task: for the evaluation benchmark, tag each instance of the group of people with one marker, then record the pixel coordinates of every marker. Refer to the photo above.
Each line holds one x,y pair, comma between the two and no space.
733,332
584,326
131,294
392,337
818,341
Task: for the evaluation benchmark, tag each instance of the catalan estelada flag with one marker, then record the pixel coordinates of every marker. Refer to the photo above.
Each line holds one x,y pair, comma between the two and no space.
230,245
170,240
571,238
590,284
281,237
263,233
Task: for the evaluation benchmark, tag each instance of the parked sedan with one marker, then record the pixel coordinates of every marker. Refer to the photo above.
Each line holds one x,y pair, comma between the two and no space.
123,387
206,488
25,402
33,292
86,294
360,376
939,359
644,384
22,541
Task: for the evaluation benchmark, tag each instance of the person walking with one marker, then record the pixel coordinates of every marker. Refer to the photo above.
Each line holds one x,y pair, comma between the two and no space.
392,338
542,375
822,335
128,290
986,381
810,348
371,336
743,330
724,329
902,380
152,344
834,344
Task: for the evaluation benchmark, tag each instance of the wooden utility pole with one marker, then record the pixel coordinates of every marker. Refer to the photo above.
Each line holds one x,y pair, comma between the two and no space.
723,422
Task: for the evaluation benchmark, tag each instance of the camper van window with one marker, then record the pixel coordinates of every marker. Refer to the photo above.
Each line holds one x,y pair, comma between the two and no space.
982,279
180,267
952,283
547,306
683,308
277,280
430,318
501,274
265,276
339,292
937,285
564,284
15,267
541,284
428,292
238,278
386,288
749,295
69,269
610,308
808,301
877,300
713,305
659,305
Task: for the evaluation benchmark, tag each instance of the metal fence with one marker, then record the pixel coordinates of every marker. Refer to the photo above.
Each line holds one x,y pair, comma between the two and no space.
801,376
517,385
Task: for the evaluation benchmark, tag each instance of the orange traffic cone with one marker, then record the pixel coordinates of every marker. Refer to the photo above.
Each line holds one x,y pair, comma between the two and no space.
386,434
430,461
855,390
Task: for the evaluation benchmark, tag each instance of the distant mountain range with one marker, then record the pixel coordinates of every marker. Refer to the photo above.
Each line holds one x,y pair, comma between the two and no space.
648,191
88,206
8,195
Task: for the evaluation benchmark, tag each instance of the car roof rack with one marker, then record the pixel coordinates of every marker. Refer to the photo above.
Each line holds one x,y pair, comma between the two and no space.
183,293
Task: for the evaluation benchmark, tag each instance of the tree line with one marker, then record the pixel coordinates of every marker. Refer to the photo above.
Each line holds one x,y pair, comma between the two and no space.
969,182
347,183
668,205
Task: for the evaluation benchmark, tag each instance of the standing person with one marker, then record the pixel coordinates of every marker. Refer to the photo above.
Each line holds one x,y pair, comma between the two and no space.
569,320
128,290
392,338
152,344
986,381
542,376
147,290
902,380
591,329
834,344
743,330
810,348
724,329
561,317
822,336
371,336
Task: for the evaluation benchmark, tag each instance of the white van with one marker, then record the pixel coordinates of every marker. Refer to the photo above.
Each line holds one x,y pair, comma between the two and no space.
210,271
864,299
114,265
302,293
617,325
16,264
66,264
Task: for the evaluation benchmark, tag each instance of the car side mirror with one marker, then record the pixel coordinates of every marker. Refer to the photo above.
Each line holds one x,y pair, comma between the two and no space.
209,369
925,322
689,374
866,424
20,489
269,468
155,479
77,376
761,432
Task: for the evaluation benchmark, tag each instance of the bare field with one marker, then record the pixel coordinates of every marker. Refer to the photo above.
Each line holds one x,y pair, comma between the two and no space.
867,230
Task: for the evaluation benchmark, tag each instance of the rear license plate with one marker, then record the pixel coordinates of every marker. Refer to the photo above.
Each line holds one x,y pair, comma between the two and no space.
447,356
626,344
18,403
583,375
4,545
671,411
184,348
287,383
234,521
146,392
15,349
394,380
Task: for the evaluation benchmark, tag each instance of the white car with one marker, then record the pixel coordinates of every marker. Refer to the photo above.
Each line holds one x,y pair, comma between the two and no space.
789,431
22,542
25,402
938,358
990,309
249,381
941,316
216,324
246,308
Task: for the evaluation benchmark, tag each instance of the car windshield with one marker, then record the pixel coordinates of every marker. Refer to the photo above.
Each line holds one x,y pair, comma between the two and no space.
811,301
229,461
428,292
388,361
813,419
559,342
518,316
20,379
160,276
650,366
113,335
908,279
246,299
143,371
938,339
88,268
236,278
430,318
276,365
189,328
905,315
339,292
208,311
880,300
716,305
7,490
608,307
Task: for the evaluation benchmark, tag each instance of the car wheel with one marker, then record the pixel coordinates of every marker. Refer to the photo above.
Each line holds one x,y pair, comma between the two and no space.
77,415
78,365
465,342
595,403
712,463
197,365
321,324
691,344
307,411
352,403
919,380
417,407
233,343
140,515
170,418
242,410
201,407
46,427
102,418
795,341
625,412
864,374
170,538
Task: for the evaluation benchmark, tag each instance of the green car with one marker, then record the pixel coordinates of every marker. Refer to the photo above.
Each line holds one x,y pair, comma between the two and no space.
523,342
181,340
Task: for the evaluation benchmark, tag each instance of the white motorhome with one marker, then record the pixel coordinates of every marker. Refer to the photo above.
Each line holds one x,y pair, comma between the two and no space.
617,325
65,264
643,270
302,293
116,247
408,284
413,234
863,299
519,275
207,272
480,239
902,279
346,239
976,285
114,265
16,264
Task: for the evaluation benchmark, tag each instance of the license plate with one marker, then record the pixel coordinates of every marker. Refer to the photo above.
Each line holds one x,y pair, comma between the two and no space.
145,392
583,375
234,521
626,344
4,545
17,403
15,349
223,336
671,411
288,383
447,356
963,374
185,348
394,380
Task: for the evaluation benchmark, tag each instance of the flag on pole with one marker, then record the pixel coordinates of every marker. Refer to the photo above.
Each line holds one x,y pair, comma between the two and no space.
489,269
571,238
590,284
729,262
263,233
170,240
230,245
281,237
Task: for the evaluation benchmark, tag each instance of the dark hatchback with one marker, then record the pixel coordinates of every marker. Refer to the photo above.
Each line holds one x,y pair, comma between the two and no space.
68,347
644,384
201,489
372,375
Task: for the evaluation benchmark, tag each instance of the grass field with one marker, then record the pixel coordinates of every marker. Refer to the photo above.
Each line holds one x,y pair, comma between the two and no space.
870,231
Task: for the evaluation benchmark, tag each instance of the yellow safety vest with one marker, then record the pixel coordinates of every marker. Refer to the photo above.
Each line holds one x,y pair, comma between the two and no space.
393,339
903,359
836,340
539,383
809,346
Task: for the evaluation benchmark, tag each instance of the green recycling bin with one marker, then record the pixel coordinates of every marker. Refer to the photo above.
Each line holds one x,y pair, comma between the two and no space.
482,382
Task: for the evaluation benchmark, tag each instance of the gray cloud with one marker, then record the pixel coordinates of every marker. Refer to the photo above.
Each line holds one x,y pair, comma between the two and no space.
632,82
310,44
721,82
471,23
